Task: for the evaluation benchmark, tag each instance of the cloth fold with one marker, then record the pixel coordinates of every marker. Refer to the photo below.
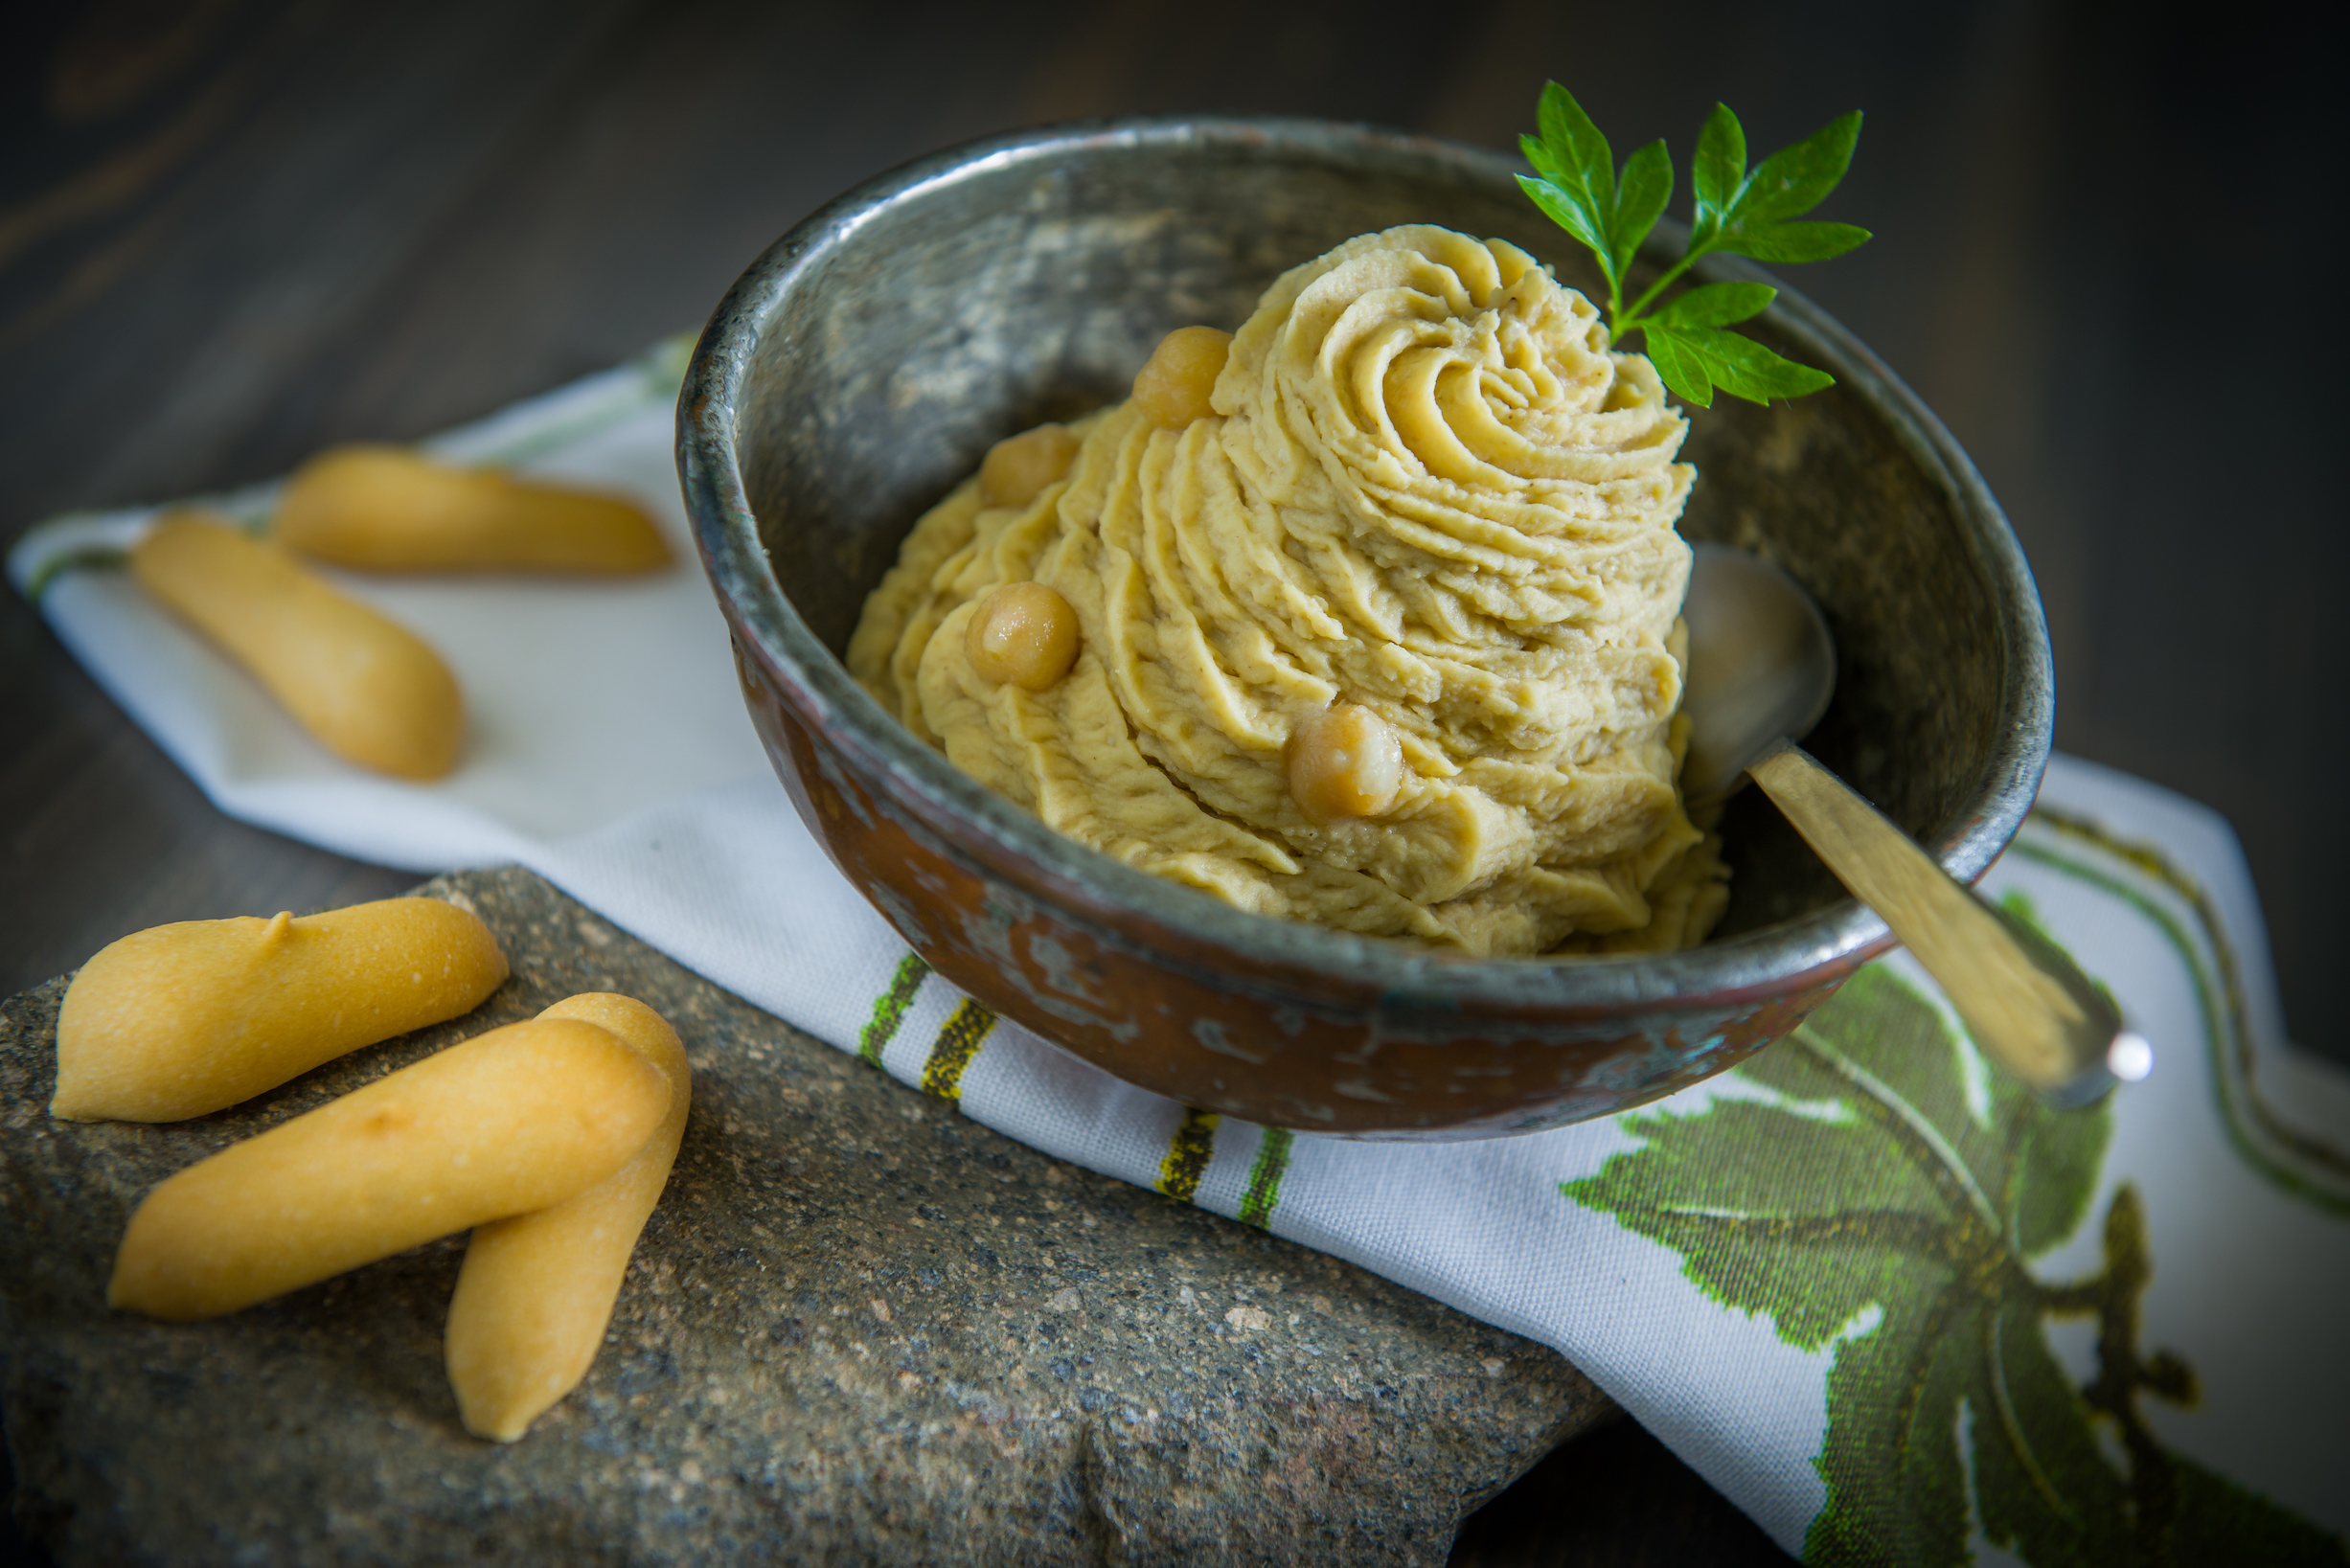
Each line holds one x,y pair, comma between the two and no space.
1885,1302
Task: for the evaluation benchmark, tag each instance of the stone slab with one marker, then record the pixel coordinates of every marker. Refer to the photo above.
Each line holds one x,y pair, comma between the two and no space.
859,1328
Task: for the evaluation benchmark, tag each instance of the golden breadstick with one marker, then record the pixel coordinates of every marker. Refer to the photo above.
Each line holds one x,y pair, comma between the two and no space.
537,1289
184,1019
385,509
508,1121
368,688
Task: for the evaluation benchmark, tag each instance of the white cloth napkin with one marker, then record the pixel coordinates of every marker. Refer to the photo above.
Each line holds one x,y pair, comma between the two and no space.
1885,1302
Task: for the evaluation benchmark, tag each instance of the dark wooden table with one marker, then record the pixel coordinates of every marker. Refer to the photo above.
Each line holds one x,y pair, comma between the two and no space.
233,232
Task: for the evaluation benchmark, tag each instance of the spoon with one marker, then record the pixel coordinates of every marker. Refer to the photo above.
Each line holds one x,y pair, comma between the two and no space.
1761,670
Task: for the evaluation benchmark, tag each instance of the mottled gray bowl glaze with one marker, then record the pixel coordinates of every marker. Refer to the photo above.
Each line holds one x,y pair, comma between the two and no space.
866,361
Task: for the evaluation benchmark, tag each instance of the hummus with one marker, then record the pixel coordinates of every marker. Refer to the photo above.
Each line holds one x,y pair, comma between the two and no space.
1425,511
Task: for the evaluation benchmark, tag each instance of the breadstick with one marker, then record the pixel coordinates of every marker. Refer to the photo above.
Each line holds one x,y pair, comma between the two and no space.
515,1120
185,1019
384,508
537,1289
366,686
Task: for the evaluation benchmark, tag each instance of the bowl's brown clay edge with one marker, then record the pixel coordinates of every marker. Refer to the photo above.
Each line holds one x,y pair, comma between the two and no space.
1154,981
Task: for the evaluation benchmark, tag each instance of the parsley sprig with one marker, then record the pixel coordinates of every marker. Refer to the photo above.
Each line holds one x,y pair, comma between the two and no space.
1745,212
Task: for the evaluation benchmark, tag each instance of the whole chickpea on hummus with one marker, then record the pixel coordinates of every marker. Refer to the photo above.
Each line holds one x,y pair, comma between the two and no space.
1366,616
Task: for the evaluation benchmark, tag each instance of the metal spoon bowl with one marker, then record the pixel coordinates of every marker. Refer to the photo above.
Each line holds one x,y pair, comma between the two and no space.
1761,667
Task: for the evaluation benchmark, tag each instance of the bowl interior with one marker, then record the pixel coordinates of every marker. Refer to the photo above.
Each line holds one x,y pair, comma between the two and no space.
988,294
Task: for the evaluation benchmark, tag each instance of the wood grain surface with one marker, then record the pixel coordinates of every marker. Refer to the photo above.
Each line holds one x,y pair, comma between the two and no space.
232,230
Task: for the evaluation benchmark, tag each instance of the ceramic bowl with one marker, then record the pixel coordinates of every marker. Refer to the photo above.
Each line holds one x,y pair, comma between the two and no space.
862,366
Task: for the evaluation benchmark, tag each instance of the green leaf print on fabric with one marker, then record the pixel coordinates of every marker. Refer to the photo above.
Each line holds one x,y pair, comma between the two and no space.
1886,1195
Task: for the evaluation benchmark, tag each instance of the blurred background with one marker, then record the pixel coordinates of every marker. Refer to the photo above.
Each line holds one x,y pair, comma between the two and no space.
232,230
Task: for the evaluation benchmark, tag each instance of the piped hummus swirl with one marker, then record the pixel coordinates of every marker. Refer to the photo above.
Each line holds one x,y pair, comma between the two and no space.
1427,489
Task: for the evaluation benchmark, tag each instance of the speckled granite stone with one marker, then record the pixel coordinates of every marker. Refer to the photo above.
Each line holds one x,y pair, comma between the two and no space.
860,1327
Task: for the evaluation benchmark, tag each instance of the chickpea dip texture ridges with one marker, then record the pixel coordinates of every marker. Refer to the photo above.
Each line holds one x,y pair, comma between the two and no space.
1424,510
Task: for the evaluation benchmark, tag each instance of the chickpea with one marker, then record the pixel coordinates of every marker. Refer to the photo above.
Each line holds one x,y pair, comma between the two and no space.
1344,761
1019,467
1024,633
1173,387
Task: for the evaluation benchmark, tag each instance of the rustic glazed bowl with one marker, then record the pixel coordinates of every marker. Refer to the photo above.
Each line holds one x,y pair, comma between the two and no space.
863,365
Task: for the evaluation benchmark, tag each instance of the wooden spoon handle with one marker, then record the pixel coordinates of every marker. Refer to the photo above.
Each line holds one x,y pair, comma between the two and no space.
2022,998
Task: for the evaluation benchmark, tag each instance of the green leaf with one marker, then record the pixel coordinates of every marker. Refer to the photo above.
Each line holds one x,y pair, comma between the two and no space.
1753,219
1639,202
1793,241
1717,305
1582,152
1813,1218
2219,1521
2055,1172
1890,1055
1682,370
1869,1182
1795,180
2046,1488
1538,156
1566,211
1897,1485
1743,368
1743,1191
1720,170
1577,185
1753,1232
1866,1203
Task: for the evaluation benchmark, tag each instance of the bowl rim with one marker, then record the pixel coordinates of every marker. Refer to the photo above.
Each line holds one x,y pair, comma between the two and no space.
1011,843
